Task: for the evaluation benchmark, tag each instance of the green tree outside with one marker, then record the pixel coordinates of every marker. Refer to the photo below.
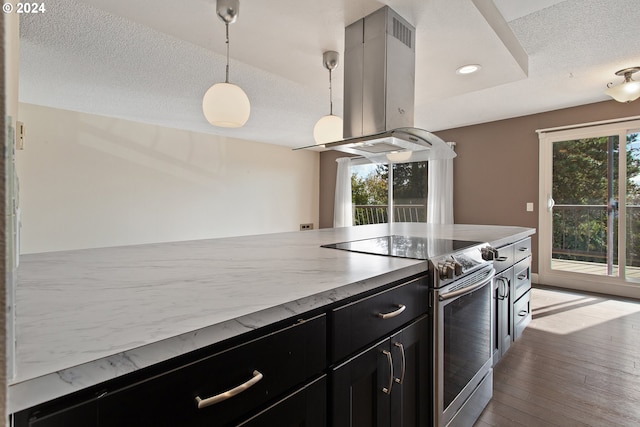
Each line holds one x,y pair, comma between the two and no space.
409,188
580,171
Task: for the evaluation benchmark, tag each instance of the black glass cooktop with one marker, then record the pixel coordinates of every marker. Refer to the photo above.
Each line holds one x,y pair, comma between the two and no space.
423,248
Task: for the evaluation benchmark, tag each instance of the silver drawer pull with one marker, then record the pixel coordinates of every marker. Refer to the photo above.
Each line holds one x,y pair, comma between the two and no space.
522,276
203,403
404,363
523,313
400,309
387,390
523,249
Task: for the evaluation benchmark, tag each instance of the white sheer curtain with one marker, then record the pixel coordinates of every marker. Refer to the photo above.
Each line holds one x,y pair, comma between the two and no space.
343,210
440,191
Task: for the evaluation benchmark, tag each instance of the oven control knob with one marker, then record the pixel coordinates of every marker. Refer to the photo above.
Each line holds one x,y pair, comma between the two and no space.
446,272
457,268
489,253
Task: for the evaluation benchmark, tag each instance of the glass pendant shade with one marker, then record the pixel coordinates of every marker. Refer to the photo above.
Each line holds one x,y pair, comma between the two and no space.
328,129
226,105
625,92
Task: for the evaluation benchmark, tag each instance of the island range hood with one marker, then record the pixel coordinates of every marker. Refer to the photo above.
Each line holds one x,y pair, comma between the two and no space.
379,93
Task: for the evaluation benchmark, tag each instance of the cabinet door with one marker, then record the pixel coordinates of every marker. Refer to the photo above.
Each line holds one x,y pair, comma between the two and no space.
503,313
497,329
306,407
521,314
359,391
410,349
387,384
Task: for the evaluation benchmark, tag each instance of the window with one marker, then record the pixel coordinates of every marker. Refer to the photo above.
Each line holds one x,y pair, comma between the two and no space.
370,193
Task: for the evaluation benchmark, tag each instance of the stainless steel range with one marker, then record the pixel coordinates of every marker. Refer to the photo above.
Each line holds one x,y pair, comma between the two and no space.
461,312
462,324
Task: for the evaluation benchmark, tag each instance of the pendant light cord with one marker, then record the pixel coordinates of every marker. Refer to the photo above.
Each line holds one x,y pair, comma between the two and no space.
227,30
330,95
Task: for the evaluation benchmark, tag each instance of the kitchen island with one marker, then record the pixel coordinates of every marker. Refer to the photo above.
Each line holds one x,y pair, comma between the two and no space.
88,316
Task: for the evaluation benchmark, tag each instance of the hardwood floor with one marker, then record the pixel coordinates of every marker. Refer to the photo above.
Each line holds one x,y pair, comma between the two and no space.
576,364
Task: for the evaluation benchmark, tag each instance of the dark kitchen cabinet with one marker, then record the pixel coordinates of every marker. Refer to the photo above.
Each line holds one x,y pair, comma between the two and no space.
366,320
266,374
78,414
387,384
306,407
511,292
521,315
503,313
275,364
328,367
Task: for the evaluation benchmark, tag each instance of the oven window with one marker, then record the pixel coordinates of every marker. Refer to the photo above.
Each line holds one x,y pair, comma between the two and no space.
467,340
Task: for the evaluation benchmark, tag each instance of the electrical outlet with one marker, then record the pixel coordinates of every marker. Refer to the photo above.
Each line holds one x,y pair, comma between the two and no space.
304,227
19,135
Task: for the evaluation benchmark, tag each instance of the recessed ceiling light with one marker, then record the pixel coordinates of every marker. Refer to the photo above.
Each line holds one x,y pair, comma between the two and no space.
468,69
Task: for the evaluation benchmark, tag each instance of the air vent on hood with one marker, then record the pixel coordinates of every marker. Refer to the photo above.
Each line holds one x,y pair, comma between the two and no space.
402,32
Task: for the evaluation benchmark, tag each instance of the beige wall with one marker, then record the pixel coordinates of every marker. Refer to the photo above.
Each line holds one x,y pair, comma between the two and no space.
496,171
92,181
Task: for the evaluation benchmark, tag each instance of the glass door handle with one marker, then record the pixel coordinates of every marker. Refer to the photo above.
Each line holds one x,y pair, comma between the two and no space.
550,202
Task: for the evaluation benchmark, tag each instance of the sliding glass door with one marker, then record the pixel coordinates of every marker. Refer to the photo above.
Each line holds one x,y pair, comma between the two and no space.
632,206
590,206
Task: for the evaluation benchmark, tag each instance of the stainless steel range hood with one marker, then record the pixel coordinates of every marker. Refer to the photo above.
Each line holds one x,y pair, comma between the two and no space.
379,92
397,145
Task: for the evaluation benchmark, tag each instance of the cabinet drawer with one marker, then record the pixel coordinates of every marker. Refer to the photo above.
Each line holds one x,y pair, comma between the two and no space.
305,407
505,258
522,277
521,314
79,414
283,359
522,249
357,324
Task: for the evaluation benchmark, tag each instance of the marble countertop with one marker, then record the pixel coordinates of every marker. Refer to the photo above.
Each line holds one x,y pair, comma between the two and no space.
87,316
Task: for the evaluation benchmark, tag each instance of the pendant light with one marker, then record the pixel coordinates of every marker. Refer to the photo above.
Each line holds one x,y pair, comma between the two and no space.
627,91
225,104
329,127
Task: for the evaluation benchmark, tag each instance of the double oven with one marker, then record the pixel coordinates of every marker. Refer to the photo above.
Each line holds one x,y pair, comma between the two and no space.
461,314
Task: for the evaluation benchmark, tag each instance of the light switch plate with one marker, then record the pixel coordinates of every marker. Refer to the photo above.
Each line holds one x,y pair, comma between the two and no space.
529,206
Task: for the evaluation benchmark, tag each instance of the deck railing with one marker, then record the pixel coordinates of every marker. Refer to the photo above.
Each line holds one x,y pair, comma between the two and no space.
580,233
377,214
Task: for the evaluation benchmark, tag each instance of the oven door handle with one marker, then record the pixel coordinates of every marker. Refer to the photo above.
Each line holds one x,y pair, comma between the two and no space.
468,289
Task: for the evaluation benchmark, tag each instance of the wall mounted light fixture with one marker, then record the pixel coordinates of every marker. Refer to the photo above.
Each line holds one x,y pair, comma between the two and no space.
225,104
329,127
627,91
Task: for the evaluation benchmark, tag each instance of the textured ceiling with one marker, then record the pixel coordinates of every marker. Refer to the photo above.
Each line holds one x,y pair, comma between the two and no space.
152,60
